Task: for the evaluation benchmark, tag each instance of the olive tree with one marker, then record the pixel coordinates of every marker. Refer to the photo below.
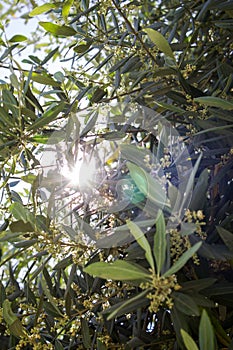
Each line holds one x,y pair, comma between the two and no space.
116,175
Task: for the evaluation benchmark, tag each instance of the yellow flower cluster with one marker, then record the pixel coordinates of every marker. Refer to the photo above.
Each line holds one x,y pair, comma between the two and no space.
33,339
106,340
196,217
189,68
75,327
49,242
161,288
103,6
178,243
80,254
226,157
33,336
165,160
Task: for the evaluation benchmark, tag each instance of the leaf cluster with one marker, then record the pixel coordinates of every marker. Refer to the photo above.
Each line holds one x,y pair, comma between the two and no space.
87,272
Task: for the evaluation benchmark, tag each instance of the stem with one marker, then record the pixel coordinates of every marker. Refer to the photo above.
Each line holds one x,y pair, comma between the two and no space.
133,30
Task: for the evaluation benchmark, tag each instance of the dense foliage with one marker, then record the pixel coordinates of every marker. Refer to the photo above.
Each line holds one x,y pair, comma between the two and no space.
140,255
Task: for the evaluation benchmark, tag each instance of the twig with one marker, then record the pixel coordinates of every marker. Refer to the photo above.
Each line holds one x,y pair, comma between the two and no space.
133,30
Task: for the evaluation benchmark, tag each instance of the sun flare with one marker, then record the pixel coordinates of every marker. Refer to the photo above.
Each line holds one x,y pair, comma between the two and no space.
82,174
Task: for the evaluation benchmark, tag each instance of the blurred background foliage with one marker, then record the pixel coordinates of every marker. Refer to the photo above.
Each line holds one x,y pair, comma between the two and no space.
60,289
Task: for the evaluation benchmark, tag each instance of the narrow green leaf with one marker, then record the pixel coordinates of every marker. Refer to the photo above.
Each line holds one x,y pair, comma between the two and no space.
159,40
189,186
58,345
100,345
28,113
47,117
179,321
43,139
16,197
8,51
49,56
8,314
98,94
127,306
29,178
2,43
186,304
14,324
39,269
68,303
42,9
206,333
119,64
118,270
103,62
44,79
200,191
51,310
131,65
171,107
71,232
66,8
2,294
90,124
34,59
49,296
113,136
198,285
85,333
5,118
164,71
134,154
215,102
121,233
85,227
57,30
17,329
4,226
220,289
226,236
221,333
63,263
48,279
226,24
81,48
183,259
11,256
10,102
220,129
26,243
59,76
29,294
149,186
17,38
142,241
20,212
187,228
202,301
160,242
10,236
188,340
